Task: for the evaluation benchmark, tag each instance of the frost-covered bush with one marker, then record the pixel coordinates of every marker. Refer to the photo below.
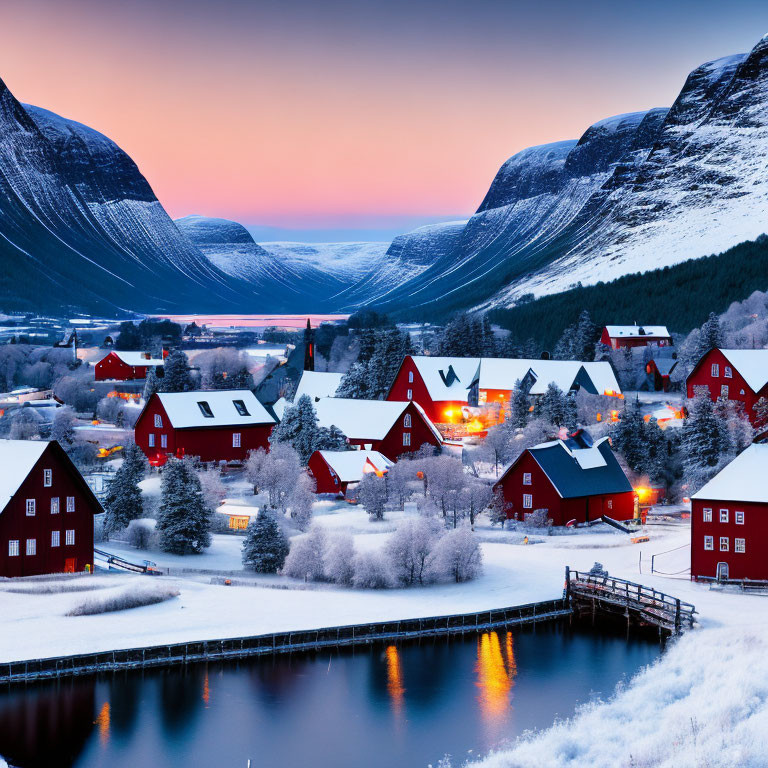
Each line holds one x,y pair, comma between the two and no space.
456,556
539,518
340,559
141,533
132,598
213,488
306,559
300,501
372,571
372,494
408,549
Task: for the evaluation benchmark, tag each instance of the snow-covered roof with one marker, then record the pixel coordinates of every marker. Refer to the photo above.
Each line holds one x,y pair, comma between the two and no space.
184,409
741,480
316,384
752,364
633,331
17,458
436,373
137,358
350,466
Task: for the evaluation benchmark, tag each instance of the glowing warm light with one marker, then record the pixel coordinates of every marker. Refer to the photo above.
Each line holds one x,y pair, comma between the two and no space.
206,690
102,723
614,415
643,493
599,417
103,453
475,426
494,677
395,679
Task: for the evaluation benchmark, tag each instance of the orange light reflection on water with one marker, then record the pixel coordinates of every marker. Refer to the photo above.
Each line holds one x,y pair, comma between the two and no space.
102,723
395,680
496,670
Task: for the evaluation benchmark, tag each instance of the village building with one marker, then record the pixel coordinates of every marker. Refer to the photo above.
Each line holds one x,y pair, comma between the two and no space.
658,371
46,511
729,520
572,479
313,384
739,375
619,336
389,427
127,366
214,425
336,471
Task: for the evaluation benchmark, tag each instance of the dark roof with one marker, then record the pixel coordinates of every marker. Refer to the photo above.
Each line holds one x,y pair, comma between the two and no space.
571,480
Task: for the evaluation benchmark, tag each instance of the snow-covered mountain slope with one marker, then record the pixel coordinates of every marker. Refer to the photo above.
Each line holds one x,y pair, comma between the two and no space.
636,192
80,226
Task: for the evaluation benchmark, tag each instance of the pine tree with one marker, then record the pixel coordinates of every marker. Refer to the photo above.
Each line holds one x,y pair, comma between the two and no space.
298,427
123,501
184,522
331,439
135,462
629,439
704,441
151,384
265,546
177,376
520,407
554,407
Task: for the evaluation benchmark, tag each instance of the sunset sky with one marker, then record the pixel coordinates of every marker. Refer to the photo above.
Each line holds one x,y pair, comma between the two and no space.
333,115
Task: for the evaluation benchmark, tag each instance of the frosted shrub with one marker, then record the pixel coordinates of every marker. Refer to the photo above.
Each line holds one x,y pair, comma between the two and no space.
340,559
301,500
140,534
372,571
133,598
456,556
409,548
372,494
214,490
539,518
306,557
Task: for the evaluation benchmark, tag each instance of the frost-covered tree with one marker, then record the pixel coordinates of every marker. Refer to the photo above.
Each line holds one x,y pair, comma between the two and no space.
372,494
275,473
135,462
408,549
151,384
331,439
630,439
265,546
457,556
520,405
372,571
471,500
444,477
711,335
340,559
399,479
214,490
578,340
498,508
558,408
184,522
300,501
63,429
761,412
306,559
704,442
177,376
123,502
497,444
298,428
24,425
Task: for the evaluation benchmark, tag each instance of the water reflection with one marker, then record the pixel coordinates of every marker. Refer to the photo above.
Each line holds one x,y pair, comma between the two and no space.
496,671
395,680
102,723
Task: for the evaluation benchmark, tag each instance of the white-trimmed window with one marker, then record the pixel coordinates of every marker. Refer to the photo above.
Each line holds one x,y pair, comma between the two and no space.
715,370
151,439
724,391
407,420
55,505
406,438
728,372
527,501
409,395
163,441
47,478
706,515
738,518
236,439
723,515
610,503
158,421
31,507
31,546
709,542
13,548
723,543
70,503
526,478
410,377
740,546
69,539
55,538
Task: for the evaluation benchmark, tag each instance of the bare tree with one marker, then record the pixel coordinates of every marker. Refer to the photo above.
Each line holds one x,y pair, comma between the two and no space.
457,555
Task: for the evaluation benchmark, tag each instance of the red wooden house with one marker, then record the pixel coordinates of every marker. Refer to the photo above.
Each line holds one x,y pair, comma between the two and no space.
126,366
379,425
729,520
46,510
215,425
571,479
740,375
335,471
618,336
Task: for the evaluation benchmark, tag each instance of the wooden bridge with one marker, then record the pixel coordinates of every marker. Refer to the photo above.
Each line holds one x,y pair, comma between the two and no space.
592,594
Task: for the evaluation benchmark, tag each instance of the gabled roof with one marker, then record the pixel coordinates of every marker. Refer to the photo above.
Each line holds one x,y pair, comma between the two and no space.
137,358
17,459
752,364
741,480
446,378
184,410
664,365
633,331
350,466
317,384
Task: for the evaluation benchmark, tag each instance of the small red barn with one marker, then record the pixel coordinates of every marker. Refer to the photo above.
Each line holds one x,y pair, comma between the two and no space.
379,425
618,336
729,520
46,510
215,425
740,375
571,479
126,366
335,471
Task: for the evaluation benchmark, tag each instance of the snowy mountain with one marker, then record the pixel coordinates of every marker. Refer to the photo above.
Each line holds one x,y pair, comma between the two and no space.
635,192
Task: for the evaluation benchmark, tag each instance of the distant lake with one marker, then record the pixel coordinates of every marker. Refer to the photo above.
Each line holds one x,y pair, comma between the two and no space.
255,321
387,706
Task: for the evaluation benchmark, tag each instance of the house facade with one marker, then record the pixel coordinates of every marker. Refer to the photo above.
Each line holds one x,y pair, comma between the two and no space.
619,336
215,425
127,366
46,511
335,471
571,479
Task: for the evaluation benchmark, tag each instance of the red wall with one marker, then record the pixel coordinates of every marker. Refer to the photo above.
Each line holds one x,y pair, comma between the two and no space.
16,525
752,564
112,367
209,443
392,444
702,376
545,496
399,390
326,481
634,341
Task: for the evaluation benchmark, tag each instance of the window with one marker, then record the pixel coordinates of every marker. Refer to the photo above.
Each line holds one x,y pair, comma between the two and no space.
13,548
724,391
55,538
235,439
526,478
70,503
409,394
47,478
205,409
30,507
740,546
728,372
741,391
738,518
407,420
31,546
70,538
55,505
723,543
527,501
709,543
707,515
610,503
158,421
163,441
151,440
240,408
715,370
410,377
406,438
723,515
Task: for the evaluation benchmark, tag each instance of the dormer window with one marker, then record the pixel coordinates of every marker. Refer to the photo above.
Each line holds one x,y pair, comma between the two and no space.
205,409
240,407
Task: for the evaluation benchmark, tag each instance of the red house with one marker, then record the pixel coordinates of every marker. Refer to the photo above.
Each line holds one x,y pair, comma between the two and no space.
618,336
379,425
729,520
46,511
216,425
126,366
571,479
335,471
740,375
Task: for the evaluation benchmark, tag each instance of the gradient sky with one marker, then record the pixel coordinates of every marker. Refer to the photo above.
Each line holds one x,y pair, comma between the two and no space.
340,115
